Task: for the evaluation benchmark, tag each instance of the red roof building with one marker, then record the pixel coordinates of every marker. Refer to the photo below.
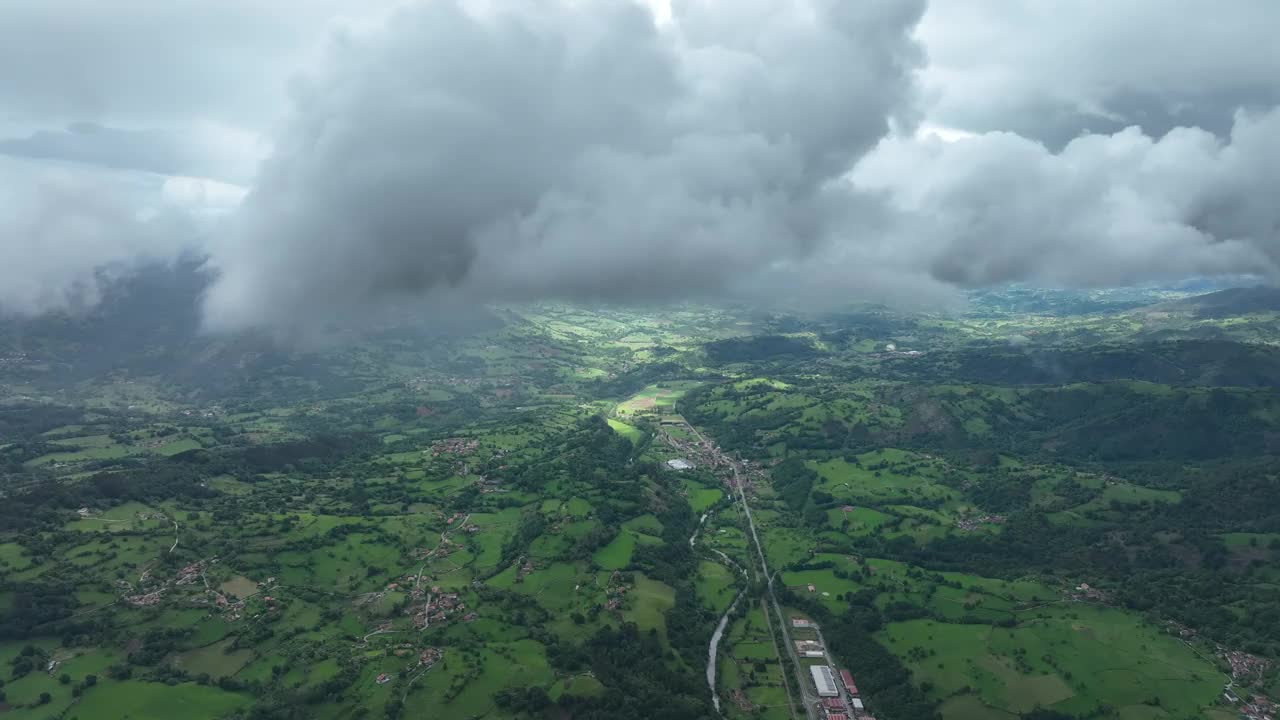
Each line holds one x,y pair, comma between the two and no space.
833,704
837,716
847,679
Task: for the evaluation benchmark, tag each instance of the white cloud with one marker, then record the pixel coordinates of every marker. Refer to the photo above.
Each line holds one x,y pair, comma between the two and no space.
202,195
65,228
1051,69
1105,210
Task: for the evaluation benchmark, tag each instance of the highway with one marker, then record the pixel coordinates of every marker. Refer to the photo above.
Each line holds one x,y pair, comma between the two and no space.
809,696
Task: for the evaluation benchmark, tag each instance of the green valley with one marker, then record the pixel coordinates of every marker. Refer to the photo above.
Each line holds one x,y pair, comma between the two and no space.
1001,513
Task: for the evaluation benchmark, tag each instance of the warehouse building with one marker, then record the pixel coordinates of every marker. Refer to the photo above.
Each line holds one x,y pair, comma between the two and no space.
847,679
824,680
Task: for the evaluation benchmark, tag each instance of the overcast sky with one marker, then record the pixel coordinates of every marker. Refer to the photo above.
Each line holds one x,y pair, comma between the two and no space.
328,156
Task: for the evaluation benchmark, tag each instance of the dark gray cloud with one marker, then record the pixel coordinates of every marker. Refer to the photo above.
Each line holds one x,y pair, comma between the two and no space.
563,149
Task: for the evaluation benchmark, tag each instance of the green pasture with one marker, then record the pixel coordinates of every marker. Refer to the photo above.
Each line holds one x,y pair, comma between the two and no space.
716,585
1069,658
630,432
701,497
138,700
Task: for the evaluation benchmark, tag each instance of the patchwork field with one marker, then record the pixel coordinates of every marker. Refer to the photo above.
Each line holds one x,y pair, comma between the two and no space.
750,677
1006,508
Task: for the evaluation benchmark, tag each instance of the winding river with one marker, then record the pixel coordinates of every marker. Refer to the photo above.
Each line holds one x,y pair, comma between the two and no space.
713,650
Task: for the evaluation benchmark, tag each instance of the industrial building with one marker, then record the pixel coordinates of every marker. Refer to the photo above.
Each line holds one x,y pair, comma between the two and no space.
824,680
809,649
680,464
847,679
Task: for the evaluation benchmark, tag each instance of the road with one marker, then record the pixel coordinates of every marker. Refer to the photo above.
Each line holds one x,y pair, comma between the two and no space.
809,696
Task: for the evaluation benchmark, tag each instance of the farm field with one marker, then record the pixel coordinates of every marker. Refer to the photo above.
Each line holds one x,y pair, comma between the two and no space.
751,678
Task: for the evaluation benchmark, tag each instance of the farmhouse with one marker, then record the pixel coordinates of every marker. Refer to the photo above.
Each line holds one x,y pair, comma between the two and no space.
824,681
800,622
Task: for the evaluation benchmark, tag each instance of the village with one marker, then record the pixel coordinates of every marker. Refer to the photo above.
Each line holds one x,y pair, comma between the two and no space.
1247,669
425,659
1256,707
231,607
454,446
970,523
14,359
701,452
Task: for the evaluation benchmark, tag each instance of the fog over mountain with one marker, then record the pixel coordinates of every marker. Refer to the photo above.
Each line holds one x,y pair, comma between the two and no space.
611,150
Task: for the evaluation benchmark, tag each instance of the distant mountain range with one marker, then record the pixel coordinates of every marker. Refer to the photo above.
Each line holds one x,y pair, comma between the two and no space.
1226,303
149,324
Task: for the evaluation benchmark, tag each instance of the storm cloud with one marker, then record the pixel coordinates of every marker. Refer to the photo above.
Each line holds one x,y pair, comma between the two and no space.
444,153
570,150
